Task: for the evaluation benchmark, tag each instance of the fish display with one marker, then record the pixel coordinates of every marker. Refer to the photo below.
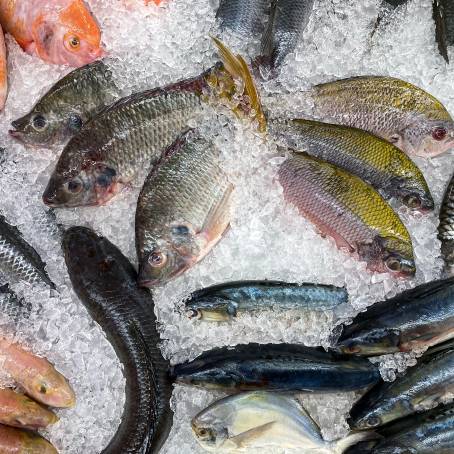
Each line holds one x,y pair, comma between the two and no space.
182,211
62,111
14,441
18,260
415,319
399,112
225,302
244,18
260,419
369,157
132,133
446,228
283,367
63,32
17,410
443,14
350,211
3,71
423,386
287,22
37,376
106,284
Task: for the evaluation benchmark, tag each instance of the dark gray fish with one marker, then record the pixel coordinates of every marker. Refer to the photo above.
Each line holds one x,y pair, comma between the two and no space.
283,367
287,22
417,318
422,387
225,301
106,283
446,228
18,260
67,106
443,14
243,17
11,306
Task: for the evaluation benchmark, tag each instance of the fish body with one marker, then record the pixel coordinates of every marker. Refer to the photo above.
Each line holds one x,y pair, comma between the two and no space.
446,228
287,22
393,109
423,386
3,69
244,18
16,441
443,14
18,260
17,410
346,208
106,284
417,318
59,31
182,211
260,419
12,308
278,367
36,375
132,133
67,106
373,159
226,301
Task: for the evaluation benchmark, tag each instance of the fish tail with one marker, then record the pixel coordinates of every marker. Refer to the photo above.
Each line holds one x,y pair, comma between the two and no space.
237,68
352,439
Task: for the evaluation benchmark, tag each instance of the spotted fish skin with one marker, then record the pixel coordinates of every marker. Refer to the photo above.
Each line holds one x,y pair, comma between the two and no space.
373,159
18,260
344,207
399,112
446,228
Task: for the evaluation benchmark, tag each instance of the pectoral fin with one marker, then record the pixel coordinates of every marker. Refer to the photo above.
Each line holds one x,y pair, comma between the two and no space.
243,439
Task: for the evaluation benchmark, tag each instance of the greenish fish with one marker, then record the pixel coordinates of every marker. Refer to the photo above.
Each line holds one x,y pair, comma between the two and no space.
350,211
261,419
67,106
405,115
373,159
182,211
226,301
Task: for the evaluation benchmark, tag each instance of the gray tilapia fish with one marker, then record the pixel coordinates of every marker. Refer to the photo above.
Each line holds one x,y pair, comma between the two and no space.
259,419
67,106
287,22
393,109
446,228
244,18
415,319
443,14
224,302
106,284
375,160
278,367
18,260
350,211
182,211
422,387
132,133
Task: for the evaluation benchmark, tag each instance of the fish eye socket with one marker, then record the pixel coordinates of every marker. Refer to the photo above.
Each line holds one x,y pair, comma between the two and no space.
74,42
393,264
157,259
74,186
439,133
43,389
193,313
412,201
75,122
372,421
39,122
180,230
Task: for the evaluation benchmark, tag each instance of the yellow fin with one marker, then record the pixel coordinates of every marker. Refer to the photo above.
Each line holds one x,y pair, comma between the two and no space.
238,68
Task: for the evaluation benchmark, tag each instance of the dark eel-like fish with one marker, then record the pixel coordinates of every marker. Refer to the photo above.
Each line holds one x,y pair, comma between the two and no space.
105,282
443,14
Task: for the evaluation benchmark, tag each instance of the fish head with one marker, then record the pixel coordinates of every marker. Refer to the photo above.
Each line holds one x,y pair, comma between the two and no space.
44,127
210,438
427,138
90,184
52,389
69,37
212,309
169,254
415,194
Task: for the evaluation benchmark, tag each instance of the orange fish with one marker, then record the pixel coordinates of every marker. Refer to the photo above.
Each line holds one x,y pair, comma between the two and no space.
3,77
58,31
157,2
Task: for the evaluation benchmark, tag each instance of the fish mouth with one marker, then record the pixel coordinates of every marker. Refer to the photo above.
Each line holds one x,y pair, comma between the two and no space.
18,135
148,283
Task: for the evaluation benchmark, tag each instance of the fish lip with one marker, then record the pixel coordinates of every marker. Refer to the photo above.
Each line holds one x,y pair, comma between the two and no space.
148,283
16,134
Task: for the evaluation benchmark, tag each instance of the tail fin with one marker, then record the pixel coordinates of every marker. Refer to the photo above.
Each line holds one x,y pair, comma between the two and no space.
352,439
237,67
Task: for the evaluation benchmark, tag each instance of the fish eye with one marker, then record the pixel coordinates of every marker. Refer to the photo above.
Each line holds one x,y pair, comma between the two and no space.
74,42
412,201
373,421
75,122
74,186
439,133
39,122
180,230
393,264
157,259
43,389
193,313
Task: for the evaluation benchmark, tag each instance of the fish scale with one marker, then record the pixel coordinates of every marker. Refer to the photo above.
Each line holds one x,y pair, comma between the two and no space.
446,227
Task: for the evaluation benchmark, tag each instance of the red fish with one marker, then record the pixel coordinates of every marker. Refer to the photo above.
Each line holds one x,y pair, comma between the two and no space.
58,31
